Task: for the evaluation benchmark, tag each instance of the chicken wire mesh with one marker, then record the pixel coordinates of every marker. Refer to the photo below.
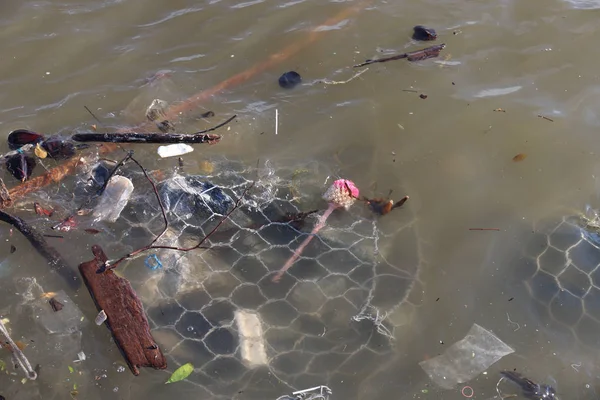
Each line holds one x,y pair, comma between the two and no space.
332,319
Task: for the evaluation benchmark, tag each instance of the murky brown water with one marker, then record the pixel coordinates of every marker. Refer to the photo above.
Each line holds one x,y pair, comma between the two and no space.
452,153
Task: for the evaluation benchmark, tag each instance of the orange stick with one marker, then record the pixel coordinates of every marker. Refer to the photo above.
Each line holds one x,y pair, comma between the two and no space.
56,174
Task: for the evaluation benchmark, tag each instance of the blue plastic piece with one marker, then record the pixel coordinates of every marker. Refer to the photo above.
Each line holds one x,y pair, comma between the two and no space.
153,262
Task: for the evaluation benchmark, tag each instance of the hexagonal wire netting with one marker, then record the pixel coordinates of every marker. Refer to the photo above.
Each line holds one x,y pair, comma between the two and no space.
331,320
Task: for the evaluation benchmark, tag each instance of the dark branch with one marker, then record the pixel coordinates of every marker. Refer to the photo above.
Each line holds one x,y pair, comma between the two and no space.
417,55
134,137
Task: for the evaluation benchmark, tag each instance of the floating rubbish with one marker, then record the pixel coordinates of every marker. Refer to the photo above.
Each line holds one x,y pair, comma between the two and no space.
318,392
20,166
157,110
20,137
80,357
252,342
290,80
59,149
55,304
66,318
100,318
153,262
466,359
174,150
424,33
114,199
529,388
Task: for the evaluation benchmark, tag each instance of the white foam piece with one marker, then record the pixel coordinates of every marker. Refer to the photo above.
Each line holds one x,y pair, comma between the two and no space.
173,150
252,342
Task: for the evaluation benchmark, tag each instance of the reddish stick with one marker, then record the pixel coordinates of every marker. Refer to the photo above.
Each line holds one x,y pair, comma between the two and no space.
341,194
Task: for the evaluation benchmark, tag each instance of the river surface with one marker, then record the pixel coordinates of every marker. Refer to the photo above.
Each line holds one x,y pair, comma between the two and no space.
505,135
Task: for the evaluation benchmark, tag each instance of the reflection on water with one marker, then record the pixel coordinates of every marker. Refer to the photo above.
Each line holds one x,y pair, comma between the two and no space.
450,152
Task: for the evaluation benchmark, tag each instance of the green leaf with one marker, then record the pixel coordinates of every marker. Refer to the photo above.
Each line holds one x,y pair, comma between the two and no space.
71,370
181,373
2,365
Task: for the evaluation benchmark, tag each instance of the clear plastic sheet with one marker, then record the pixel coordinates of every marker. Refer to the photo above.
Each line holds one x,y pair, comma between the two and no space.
467,358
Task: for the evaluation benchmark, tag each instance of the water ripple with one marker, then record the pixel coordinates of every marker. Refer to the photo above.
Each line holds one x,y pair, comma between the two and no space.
172,15
89,6
584,4
59,103
247,4
188,58
290,3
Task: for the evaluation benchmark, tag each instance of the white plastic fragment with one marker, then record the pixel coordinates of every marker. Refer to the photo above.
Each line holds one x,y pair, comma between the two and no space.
114,199
466,359
173,150
80,357
252,342
101,317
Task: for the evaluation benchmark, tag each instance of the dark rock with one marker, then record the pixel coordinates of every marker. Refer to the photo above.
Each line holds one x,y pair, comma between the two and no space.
193,199
423,33
289,80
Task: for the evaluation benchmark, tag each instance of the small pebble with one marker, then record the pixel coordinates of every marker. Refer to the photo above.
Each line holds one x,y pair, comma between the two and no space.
423,96
289,80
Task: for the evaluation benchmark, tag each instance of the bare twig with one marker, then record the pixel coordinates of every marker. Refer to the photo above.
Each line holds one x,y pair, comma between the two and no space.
92,114
162,207
330,82
418,55
113,264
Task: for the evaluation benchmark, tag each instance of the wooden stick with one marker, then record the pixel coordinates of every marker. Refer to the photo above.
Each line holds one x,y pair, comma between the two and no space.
126,320
133,137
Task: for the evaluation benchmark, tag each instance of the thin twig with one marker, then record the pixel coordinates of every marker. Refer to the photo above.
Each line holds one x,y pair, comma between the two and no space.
112,173
92,114
162,207
113,264
214,128
330,82
18,354
418,55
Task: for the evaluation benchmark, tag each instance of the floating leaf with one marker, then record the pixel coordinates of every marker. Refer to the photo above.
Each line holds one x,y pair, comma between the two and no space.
519,157
181,373
71,370
2,365
41,153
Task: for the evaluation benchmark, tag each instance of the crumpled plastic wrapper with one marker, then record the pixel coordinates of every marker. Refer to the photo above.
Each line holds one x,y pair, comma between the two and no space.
466,359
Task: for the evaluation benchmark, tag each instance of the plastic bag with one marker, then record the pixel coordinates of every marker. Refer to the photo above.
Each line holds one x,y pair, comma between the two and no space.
466,359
